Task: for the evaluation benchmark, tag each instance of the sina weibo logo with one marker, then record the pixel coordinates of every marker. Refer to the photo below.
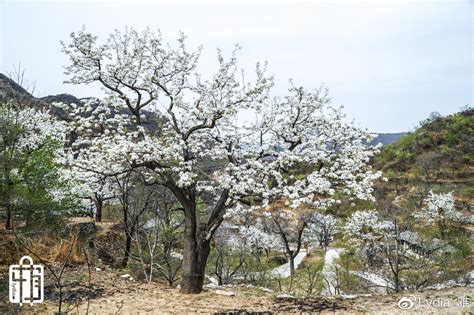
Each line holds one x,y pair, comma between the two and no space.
26,282
407,302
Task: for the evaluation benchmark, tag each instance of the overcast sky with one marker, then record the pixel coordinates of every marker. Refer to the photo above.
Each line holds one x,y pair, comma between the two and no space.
390,63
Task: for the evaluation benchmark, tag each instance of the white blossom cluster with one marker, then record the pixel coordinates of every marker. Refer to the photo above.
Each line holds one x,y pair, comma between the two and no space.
89,186
29,126
366,226
252,237
439,207
199,142
320,228
34,126
248,231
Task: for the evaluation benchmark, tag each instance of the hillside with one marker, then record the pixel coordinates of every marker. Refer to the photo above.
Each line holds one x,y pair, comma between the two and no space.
7,83
436,156
440,149
10,88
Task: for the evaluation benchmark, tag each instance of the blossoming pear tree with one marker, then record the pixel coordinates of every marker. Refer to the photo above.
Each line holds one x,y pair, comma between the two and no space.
242,238
368,230
439,207
94,190
25,126
321,229
439,210
214,143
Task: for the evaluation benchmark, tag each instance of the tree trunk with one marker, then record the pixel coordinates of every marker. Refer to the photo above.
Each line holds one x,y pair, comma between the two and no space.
8,224
194,266
7,198
98,209
292,264
397,283
397,265
196,238
128,247
196,252
219,267
128,237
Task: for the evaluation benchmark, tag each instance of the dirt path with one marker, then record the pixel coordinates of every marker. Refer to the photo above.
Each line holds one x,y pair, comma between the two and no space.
329,273
284,271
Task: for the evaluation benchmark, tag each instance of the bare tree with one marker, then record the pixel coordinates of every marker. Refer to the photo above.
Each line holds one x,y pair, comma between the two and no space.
158,236
290,227
321,228
56,271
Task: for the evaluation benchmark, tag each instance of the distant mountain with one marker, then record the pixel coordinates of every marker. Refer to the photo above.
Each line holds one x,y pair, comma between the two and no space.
386,138
7,86
63,98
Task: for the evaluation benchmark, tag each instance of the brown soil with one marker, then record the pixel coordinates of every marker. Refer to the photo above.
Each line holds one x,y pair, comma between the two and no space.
111,294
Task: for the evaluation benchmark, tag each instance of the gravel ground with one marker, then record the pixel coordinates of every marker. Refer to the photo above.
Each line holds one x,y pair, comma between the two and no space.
112,294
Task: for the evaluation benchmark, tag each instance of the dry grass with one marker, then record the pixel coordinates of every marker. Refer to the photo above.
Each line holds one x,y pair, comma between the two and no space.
51,249
70,250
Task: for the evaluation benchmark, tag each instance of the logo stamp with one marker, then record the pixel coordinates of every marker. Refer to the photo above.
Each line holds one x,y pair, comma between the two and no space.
26,282
412,301
407,302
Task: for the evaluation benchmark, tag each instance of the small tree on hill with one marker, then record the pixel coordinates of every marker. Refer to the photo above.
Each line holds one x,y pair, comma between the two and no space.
439,210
